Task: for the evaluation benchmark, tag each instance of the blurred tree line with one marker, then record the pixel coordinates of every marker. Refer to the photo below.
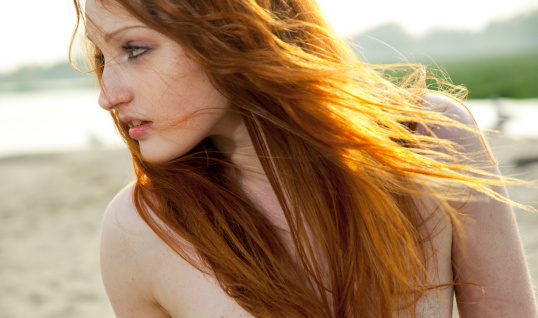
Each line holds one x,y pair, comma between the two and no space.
500,61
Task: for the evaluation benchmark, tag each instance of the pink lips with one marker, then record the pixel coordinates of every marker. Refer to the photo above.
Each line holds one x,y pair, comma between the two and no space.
137,132
137,128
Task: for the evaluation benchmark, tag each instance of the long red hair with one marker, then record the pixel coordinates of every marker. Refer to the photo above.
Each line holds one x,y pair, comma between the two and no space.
335,140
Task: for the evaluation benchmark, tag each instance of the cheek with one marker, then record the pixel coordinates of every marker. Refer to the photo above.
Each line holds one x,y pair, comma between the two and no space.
180,94
191,95
189,81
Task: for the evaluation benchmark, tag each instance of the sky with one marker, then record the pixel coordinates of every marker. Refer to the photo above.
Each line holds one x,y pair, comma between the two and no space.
37,32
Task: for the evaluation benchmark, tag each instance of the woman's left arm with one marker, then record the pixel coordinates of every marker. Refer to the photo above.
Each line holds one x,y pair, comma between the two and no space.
490,254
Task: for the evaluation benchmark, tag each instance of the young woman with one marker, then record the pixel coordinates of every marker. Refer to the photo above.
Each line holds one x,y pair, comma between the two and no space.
278,176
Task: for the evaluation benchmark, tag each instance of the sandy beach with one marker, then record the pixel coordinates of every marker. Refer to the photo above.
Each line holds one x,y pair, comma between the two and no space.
50,216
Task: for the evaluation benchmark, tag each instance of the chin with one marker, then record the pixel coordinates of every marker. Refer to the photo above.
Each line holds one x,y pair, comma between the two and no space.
156,157
160,154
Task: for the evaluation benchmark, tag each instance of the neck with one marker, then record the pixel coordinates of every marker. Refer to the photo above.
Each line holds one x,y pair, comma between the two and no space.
250,174
238,146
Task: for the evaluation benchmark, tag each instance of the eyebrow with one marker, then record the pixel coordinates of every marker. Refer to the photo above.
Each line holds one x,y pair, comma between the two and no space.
109,36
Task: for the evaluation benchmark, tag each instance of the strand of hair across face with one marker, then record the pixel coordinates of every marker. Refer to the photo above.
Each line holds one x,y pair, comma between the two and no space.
330,134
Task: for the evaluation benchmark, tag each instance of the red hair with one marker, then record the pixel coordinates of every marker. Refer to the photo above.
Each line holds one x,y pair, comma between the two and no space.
333,136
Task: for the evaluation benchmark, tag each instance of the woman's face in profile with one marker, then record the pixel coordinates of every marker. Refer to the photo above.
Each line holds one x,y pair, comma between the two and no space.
165,97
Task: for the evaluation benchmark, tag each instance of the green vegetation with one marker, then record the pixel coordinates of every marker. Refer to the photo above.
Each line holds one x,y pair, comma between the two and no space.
513,76
57,76
501,60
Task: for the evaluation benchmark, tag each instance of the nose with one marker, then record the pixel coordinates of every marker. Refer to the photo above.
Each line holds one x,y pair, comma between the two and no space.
115,90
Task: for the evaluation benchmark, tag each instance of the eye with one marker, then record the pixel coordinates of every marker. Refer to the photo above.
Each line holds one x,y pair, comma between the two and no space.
135,52
100,58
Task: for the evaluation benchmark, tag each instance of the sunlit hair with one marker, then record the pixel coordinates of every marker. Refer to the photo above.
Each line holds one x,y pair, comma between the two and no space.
337,142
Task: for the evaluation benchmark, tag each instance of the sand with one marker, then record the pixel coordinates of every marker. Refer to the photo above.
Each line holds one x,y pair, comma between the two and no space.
50,216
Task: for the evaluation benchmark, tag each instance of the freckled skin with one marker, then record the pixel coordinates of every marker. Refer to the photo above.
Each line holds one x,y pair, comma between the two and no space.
161,85
144,278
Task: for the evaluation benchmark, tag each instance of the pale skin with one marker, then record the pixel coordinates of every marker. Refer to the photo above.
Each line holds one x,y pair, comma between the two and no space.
143,277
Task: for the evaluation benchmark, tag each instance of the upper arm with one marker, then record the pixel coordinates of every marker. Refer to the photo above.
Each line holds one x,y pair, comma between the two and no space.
126,247
490,253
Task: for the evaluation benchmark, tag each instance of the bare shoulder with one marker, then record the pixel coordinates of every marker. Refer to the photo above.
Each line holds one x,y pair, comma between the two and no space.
122,221
448,105
123,229
127,249
489,254
143,277
471,140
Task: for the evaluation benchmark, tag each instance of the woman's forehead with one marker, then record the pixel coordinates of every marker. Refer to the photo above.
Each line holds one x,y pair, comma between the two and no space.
104,19
106,11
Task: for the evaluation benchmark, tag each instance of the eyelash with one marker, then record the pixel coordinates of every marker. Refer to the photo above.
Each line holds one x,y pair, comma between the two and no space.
127,48
101,59
131,49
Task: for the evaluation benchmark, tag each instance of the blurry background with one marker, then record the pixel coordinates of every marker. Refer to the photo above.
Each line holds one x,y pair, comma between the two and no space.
61,162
